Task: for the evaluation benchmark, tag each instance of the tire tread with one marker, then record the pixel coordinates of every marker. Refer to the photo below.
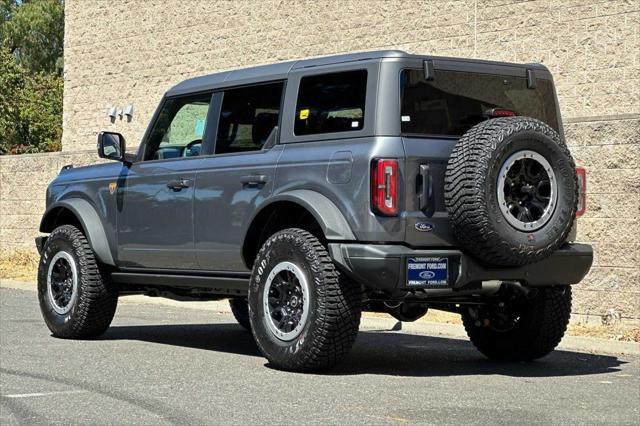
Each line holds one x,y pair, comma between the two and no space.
336,324
541,330
465,196
97,296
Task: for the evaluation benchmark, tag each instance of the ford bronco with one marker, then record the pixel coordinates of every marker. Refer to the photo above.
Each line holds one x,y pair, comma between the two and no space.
307,192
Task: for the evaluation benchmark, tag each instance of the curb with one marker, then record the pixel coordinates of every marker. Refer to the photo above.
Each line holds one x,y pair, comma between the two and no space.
591,345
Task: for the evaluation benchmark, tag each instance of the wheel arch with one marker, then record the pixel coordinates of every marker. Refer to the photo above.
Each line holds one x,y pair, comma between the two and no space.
320,209
79,212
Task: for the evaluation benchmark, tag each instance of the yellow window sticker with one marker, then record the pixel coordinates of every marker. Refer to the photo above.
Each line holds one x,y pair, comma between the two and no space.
304,114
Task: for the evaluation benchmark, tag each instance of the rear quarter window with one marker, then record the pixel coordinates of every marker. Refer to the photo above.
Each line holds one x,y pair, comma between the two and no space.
330,103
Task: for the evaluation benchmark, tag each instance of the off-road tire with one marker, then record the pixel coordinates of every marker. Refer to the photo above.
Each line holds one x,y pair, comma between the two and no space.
540,328
335,305
97,297
471,199
240,309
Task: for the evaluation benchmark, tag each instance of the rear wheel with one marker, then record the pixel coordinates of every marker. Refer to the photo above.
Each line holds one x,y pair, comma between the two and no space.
77,298
519,328
304,314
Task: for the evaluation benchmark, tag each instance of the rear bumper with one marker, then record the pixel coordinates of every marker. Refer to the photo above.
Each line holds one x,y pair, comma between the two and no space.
384,267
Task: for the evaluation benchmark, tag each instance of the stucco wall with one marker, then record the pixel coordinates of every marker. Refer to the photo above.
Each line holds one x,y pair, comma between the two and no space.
124,52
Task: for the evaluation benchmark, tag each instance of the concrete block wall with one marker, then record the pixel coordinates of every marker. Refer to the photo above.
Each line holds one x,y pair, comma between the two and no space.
23,187
124,52
610,149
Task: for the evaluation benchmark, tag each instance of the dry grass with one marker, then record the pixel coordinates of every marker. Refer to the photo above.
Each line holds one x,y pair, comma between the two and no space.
20,265
622,332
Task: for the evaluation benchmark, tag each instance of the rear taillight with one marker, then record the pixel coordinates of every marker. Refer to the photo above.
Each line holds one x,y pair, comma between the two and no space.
384,186
582,188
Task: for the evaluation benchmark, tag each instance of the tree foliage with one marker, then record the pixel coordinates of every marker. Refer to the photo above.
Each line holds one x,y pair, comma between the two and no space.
31,43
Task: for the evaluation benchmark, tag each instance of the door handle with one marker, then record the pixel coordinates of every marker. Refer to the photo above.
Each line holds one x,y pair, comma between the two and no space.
178,184
253,180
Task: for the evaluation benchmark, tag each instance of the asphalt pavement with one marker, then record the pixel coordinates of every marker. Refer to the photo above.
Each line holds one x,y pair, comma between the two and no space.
168,365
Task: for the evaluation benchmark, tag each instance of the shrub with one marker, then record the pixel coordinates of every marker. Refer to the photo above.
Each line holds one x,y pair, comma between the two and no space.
30,109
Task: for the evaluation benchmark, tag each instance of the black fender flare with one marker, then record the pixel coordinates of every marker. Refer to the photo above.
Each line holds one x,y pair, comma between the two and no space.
91,224
326,213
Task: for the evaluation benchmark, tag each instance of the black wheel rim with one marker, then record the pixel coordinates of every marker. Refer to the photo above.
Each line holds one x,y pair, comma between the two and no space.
62,282
527,190
286,301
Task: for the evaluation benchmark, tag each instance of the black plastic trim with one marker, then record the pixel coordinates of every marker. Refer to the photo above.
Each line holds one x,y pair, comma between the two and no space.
223,282
531,79
429,71
91,224
40,242
383,267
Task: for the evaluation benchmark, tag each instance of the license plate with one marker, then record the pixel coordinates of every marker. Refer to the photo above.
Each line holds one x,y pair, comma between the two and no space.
427,271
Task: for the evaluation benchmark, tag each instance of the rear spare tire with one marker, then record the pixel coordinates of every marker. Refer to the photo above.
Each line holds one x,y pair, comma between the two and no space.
511,191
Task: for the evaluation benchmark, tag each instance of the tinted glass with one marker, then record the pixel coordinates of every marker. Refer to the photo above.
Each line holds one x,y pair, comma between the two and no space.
179,128
453,102
248,117
331,103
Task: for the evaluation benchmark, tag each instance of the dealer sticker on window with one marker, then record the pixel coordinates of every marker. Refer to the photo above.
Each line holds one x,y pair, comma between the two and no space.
427,271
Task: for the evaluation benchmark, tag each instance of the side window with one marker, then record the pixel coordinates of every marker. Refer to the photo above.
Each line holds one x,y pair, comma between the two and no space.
179,128
330,103
248,117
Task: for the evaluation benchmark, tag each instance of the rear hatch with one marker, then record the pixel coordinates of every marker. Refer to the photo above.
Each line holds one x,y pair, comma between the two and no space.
437,107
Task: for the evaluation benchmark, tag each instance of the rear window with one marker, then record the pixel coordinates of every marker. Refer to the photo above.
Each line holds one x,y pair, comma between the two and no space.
331,103
453,101
248,117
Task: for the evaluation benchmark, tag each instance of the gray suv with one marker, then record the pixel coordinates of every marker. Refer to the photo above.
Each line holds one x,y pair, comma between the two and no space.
307,192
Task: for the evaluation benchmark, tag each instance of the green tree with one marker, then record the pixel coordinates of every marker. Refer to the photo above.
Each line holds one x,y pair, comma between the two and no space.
34,32
30,109
31,36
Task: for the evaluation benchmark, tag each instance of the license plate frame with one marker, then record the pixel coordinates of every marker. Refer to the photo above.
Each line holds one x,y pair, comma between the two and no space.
426,271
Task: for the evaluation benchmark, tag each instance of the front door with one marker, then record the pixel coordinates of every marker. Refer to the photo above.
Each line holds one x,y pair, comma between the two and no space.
155,194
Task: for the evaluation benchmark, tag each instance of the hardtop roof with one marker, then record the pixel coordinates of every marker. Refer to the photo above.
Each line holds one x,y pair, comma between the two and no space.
280,70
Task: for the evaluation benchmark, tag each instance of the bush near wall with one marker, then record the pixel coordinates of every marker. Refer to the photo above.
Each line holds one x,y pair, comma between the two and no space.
30,109
31,62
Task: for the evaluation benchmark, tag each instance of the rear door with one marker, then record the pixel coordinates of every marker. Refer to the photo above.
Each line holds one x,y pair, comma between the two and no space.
155,194
240,173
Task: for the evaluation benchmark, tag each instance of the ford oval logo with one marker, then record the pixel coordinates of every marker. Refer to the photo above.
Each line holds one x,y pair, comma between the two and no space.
424,226
427,275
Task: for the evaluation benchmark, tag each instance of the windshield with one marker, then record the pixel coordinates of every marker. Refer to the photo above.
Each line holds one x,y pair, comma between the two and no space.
454,101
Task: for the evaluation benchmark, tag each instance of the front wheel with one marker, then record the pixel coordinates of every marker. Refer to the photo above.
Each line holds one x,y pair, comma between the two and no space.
77,298
519,328
304,314
240,310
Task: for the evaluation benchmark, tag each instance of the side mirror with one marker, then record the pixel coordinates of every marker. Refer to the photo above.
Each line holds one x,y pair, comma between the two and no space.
111,146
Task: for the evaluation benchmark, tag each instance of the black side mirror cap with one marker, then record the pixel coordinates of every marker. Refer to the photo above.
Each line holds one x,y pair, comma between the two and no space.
111,146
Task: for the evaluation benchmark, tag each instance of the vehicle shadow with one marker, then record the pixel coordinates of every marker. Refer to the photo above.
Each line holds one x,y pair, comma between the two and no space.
380,352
